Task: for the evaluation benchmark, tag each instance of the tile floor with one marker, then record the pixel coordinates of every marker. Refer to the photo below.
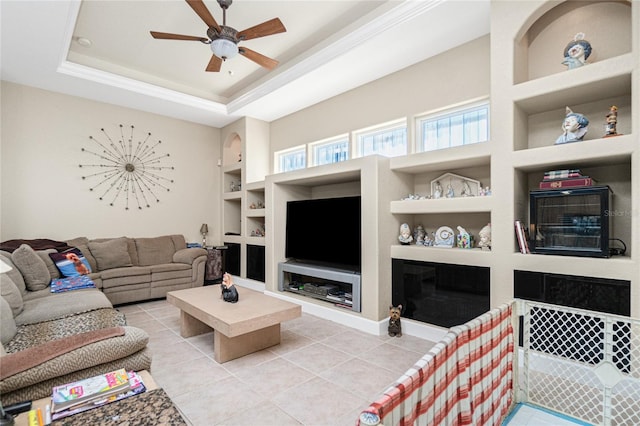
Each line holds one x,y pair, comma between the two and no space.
323,373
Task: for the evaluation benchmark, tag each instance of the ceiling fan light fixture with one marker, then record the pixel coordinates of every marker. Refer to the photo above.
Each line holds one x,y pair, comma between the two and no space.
223,48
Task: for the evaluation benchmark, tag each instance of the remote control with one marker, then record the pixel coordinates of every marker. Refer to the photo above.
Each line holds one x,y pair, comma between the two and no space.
17,408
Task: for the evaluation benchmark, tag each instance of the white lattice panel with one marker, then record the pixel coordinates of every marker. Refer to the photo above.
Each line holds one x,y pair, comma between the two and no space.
581,363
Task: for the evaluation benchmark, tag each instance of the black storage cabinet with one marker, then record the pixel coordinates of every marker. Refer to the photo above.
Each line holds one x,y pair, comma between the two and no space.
571,222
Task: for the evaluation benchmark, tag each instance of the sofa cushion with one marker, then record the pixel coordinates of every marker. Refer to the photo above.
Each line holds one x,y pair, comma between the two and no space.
11,294
170,271
44,255
155,251
111,253
8,327
31,335
32,267
14,273
126,277
32,357
179,242
59,305
71,263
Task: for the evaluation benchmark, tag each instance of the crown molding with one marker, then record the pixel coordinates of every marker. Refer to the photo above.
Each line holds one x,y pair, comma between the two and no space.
347,41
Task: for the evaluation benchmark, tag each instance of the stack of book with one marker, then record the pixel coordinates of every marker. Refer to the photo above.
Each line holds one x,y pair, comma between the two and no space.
76,397
566,178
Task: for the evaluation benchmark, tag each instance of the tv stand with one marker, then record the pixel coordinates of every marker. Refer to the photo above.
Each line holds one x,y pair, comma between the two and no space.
340,287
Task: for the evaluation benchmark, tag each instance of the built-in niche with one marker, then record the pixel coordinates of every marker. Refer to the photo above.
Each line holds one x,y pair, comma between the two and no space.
232,150
540,46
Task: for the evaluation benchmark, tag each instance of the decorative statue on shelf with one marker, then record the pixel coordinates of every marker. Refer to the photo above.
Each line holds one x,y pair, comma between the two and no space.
485,237
466,189
229,290
444,237
574,127
438,191
405,236
419,235
577,52
612,121
450,192
464,239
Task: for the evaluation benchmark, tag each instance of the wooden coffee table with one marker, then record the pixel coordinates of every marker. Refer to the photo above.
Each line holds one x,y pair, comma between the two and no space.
250,325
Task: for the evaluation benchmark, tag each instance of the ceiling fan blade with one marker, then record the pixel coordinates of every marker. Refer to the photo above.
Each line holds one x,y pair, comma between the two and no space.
169,36
258,58
199,7
214,64
267,28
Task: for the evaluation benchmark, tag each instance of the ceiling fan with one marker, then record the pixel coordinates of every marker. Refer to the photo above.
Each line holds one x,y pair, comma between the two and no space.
224,39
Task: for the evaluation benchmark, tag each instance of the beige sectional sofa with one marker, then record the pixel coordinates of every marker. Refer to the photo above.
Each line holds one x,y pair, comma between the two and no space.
135,269
54,338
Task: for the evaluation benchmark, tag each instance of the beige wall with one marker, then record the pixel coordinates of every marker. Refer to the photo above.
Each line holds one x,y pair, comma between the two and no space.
454,76
44,196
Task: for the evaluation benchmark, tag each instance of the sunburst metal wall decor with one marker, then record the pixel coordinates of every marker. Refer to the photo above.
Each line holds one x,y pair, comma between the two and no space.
130,170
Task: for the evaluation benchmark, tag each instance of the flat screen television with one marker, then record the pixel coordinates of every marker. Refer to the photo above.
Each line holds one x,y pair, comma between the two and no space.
325,231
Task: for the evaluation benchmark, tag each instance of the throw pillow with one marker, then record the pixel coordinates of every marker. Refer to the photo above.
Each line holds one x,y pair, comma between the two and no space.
155,251
51,266
11,294
71,263
110,254
32,267
14,273
8,327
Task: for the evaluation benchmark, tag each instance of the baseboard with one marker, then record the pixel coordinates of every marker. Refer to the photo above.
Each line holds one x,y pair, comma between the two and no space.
377,328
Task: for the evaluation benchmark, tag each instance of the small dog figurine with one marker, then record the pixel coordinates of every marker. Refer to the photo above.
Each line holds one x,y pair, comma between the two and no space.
229,291
395,328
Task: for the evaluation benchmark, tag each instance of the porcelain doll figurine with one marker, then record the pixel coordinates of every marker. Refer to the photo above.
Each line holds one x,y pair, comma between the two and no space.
438,191
405,236
574,127
485,237
577,52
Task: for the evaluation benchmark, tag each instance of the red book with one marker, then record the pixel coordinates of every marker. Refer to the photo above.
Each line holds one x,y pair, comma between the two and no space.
566,183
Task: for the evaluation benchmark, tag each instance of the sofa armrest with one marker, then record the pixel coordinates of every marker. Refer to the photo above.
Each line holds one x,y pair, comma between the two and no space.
188,255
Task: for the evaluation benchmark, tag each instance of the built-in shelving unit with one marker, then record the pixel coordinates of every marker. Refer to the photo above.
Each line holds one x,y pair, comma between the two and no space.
364,177
530,90
472,213
337,287
243,190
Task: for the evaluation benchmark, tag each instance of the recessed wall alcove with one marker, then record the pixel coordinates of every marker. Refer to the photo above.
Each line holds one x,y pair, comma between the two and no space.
232,149
541,42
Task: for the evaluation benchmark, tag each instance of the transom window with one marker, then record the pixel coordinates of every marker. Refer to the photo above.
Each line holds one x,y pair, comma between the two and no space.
292,159
462,126
330,151
389,140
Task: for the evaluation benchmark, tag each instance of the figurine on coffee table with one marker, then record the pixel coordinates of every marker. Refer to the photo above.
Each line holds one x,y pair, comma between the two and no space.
229,290
574,127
